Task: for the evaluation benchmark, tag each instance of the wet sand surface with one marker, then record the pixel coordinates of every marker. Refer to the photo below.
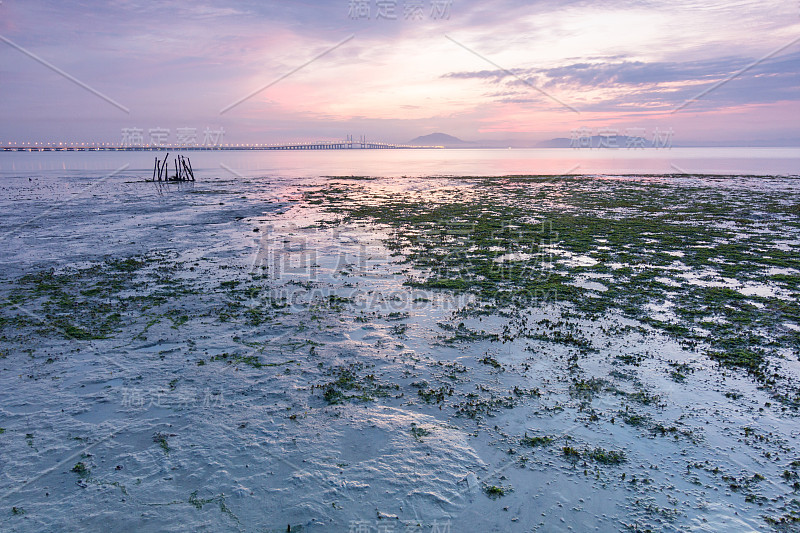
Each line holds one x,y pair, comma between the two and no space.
610,353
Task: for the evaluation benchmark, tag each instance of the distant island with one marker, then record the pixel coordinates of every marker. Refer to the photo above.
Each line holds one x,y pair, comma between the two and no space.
440,139
594,141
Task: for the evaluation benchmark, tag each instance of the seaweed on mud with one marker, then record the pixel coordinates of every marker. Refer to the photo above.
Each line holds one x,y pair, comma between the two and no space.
475,406
250,360
107,293
571,453
587,387
162,440
199,503
461,333
513,247
363,388
495,491
489,360
429,395
418,432
534,442
81,469
606,457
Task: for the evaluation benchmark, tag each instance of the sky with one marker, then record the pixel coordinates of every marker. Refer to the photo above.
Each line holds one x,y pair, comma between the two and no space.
265,72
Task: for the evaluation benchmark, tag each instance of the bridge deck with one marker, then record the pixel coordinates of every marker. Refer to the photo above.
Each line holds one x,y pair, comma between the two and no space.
294,146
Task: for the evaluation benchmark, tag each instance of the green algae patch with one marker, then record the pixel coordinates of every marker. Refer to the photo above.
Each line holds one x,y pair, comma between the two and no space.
706,255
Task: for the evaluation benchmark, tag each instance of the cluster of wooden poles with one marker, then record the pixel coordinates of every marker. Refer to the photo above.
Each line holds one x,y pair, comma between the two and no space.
182,165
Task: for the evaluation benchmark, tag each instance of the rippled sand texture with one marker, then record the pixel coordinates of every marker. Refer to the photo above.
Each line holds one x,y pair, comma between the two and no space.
420,354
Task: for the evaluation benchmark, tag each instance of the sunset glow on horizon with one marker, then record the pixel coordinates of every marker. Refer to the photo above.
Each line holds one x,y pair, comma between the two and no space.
527,72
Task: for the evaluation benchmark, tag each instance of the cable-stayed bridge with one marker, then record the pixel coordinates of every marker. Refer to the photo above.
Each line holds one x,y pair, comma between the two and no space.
348,144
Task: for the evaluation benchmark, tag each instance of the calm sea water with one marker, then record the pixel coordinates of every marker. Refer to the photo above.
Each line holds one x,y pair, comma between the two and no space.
559,161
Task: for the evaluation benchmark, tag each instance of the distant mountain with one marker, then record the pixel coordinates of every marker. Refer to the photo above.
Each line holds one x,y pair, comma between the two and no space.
558,142
594,141
439,139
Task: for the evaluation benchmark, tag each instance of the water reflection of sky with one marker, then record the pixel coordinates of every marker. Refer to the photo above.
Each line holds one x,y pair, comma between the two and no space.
399,163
